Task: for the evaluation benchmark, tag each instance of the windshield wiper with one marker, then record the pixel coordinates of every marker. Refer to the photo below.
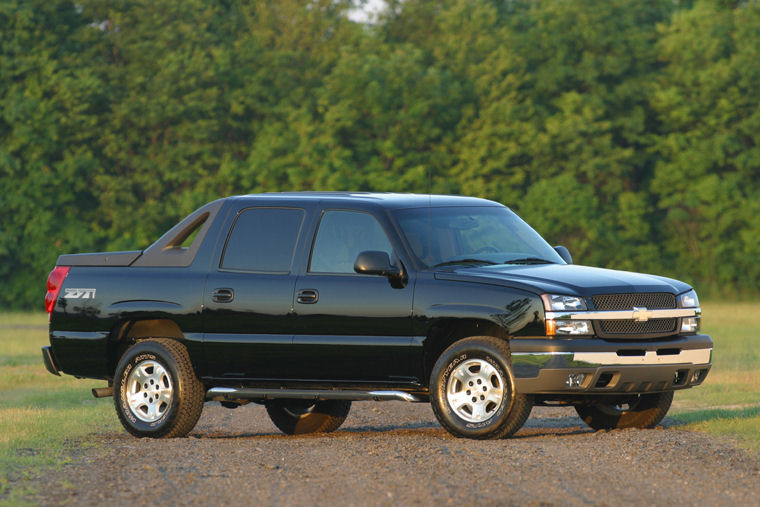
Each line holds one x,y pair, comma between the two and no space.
464,261
528,260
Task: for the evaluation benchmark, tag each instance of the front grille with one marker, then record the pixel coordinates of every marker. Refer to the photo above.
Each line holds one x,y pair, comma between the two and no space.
651,300
630,327
623,329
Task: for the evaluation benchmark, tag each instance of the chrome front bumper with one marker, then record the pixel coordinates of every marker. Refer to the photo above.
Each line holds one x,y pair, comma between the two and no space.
593,366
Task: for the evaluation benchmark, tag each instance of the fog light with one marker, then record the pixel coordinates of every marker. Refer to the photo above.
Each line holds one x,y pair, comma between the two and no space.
690,324
698,376
574,380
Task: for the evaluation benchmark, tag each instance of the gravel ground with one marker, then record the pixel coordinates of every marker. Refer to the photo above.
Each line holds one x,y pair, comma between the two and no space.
395,453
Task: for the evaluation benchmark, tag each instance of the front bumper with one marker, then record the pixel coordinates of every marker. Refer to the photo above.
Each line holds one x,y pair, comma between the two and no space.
594,366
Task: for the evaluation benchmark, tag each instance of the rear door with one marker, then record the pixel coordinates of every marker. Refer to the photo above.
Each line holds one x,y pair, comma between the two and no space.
249,296
351,327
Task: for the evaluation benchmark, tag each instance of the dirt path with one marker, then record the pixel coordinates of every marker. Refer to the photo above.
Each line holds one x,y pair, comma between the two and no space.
395,453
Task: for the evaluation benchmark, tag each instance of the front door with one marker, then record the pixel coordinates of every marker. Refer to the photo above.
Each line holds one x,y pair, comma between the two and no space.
351,327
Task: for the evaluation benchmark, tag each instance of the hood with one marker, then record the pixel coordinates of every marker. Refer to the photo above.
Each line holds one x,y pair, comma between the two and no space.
567,279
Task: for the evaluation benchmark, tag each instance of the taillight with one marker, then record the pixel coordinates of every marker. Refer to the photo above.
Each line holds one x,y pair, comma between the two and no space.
54,282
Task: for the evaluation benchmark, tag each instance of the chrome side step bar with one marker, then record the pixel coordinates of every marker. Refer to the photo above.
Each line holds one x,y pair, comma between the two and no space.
247,393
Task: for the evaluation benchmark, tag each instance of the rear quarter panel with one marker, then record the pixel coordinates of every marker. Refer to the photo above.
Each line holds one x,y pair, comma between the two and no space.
85,325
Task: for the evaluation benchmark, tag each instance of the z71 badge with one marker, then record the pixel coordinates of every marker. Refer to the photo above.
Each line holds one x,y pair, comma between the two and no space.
79,294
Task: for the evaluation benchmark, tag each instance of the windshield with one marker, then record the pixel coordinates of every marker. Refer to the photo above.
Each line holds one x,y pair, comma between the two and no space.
472,236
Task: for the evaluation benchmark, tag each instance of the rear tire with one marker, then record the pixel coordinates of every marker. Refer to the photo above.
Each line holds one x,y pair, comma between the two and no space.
642,411
298,417
156,392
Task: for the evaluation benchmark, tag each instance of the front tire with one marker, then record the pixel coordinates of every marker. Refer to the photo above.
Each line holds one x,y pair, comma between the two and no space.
298,417
640,411
157,394
472,390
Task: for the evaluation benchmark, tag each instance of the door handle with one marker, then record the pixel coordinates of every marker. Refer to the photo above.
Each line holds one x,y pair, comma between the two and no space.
223,295
308,296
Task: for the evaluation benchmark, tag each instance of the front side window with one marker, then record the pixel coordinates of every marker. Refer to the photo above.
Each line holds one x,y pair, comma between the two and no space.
341,237
263,240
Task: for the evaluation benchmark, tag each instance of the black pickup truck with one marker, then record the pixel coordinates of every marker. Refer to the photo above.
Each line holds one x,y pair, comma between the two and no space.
305,302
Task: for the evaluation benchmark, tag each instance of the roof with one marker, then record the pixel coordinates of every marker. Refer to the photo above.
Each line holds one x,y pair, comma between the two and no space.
380,199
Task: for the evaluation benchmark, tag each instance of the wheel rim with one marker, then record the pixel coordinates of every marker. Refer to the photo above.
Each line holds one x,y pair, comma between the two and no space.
149,391
475,390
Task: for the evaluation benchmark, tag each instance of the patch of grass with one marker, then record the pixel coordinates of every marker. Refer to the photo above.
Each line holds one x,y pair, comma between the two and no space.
722,389
19,336
42,417
743,423
728,403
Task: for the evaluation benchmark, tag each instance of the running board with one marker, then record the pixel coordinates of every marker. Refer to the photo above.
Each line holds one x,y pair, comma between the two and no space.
245,393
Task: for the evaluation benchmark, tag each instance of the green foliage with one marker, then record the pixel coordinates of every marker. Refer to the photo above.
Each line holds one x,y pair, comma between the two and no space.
626,130
706,178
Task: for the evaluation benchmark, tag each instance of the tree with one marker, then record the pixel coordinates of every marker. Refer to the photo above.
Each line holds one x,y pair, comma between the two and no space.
707,177
49,122
563,126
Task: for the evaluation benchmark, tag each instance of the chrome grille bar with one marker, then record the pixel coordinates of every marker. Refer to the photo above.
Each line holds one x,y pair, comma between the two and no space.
633,314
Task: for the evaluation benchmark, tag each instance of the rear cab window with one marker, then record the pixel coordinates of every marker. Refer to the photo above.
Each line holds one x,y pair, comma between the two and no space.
263,240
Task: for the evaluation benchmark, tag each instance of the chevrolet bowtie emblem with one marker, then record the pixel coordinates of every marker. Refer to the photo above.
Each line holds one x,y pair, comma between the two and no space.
641,314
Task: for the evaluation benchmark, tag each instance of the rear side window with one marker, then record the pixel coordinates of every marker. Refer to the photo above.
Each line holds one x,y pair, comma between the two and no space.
263,240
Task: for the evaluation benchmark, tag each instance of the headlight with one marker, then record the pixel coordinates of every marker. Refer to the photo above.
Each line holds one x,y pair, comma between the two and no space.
690,324
557,303
688,300
565,327
568,327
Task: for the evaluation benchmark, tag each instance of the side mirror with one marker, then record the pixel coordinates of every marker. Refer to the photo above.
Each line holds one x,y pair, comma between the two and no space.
373,262
564,253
